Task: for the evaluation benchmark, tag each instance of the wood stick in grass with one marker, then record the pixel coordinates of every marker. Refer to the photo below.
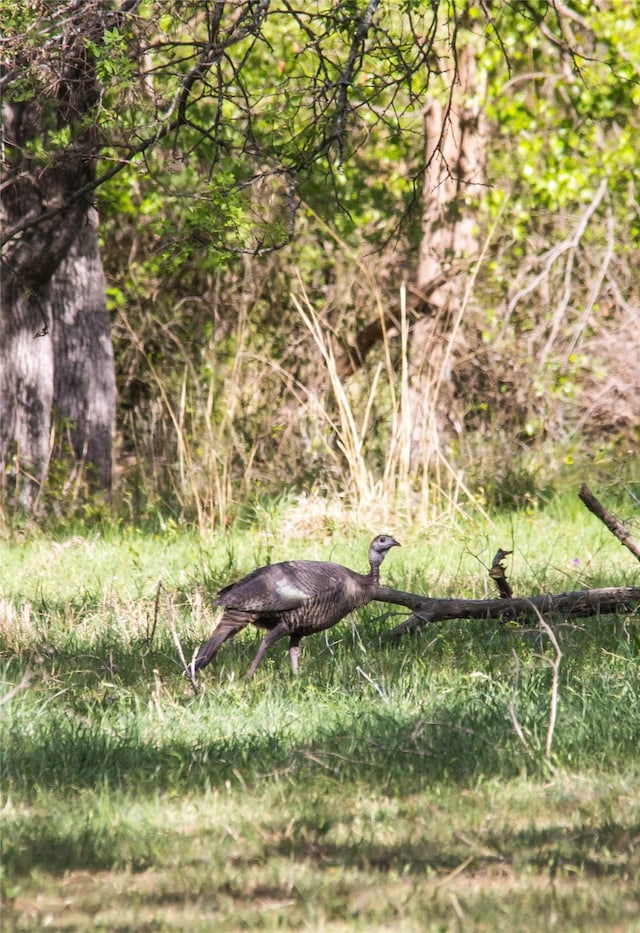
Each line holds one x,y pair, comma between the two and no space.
615,526
572,605
499,575
188,668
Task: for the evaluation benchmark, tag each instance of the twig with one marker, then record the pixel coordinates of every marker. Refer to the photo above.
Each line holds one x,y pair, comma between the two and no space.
156,611
9,695
189,669
615,526
553,703
512,705
555,679
375,685
462,867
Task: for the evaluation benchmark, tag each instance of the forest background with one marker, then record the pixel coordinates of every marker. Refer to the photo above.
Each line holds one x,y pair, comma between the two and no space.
277,276
382,254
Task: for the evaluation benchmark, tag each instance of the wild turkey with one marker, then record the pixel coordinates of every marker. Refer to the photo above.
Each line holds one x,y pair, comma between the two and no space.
294,598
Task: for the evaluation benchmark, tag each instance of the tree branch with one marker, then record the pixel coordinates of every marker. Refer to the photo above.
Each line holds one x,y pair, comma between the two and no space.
615,526
572,605
346,78
173,119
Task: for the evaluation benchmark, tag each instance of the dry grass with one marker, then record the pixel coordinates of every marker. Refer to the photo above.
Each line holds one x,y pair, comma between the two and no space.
527,382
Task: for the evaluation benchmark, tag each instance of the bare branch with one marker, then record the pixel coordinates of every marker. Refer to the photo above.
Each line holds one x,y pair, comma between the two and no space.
347,76
379,690
615,526
548,260
573,605
555,680
188,668
512,705
21,685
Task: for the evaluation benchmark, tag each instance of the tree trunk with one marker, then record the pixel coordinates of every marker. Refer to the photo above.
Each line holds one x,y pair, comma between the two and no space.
57,378
56,356
84,391
26,394
455,149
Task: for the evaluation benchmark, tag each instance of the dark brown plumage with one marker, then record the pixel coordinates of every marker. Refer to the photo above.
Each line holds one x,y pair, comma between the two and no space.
294,598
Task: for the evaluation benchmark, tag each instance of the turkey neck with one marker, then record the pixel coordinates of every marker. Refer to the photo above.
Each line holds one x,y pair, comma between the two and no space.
374,574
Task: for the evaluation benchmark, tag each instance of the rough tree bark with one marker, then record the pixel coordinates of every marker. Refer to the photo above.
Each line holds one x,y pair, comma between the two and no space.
84,383
578,604
56,359
455,156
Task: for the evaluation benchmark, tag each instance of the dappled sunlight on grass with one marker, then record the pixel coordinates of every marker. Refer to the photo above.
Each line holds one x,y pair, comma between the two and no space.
393,785
519,852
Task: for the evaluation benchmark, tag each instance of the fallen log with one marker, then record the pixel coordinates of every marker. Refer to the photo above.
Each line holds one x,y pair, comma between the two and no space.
574,605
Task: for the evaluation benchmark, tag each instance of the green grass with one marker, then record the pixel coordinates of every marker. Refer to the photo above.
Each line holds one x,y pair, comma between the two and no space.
394,785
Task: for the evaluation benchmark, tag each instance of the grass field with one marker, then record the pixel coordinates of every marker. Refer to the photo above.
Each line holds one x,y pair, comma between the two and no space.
394,785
